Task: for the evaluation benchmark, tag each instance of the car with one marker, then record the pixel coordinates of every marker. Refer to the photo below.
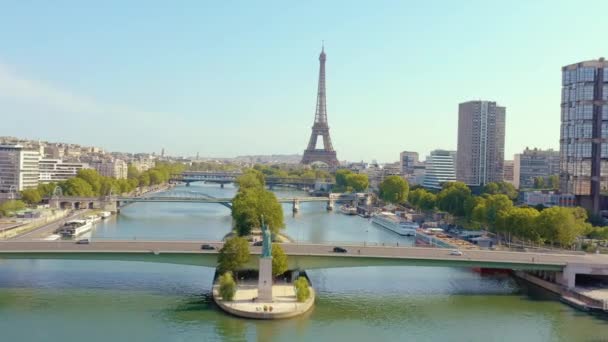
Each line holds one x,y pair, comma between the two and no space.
259,243
82,242
455,252
339,250
207,247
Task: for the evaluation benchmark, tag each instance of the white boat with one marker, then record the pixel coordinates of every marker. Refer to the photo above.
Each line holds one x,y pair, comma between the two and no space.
348,210
395,224
93,218
74,228
105,214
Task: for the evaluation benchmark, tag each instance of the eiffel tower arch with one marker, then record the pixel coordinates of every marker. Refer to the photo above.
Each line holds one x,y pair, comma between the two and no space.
320,128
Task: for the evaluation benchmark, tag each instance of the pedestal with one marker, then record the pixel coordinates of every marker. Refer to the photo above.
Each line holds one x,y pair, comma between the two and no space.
265,280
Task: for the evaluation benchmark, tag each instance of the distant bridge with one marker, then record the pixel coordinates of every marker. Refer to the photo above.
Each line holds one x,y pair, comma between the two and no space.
561,268
113,203
231,176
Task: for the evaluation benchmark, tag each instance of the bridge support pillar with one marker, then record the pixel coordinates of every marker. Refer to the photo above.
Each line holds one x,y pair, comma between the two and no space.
222,185
296,205
187,183
54,203
330,205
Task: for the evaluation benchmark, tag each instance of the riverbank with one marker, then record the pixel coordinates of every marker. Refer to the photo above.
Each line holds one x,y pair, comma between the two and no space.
43,223
589,300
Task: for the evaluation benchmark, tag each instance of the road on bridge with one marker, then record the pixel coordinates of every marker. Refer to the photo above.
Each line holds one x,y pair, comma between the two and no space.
190,247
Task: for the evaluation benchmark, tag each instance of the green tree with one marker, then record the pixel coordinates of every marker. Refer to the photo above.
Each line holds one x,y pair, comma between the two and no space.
144,179
341,178
9,207
302,289
452,198
520,222
233,255
31,196
394,189
93,178
77,186
132,172
250,179
227,286
554,182
358,182
539,183
156,177
279,260
422,199
562,225
492,206
250,204
505,188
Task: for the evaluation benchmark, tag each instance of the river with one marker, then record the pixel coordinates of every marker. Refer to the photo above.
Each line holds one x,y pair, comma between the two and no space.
53,300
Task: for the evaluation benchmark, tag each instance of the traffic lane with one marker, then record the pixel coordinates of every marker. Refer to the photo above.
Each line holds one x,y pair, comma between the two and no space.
307,249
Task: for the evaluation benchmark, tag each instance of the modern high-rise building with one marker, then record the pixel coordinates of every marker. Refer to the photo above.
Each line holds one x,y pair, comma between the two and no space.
534,163
18,168
508,171
481,142
57,170
584,131
440,168
407,161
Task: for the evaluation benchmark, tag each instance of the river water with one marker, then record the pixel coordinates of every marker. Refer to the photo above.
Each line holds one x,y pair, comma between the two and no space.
51,300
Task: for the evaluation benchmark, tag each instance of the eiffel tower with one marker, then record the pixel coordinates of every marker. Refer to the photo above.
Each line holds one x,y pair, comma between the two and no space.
327,154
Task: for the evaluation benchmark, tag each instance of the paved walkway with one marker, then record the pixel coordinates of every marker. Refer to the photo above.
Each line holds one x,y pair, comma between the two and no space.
284,303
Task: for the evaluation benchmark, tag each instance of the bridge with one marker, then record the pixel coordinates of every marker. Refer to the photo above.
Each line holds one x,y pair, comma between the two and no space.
113,203
230,176
562,268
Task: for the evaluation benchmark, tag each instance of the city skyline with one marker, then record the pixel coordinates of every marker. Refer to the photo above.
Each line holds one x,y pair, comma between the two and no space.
107,79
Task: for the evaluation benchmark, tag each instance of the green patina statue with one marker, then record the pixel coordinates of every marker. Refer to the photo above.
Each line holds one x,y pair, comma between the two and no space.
266,240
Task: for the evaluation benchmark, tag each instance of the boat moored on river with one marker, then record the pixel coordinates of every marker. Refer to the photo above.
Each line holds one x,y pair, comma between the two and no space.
395,223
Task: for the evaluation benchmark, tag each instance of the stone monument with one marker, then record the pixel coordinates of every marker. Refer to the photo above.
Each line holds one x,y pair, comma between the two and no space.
265,275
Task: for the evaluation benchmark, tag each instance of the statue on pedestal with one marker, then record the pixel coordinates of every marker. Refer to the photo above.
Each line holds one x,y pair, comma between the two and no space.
265,273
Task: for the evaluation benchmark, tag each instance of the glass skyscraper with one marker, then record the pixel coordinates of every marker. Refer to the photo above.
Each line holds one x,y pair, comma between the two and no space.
584,131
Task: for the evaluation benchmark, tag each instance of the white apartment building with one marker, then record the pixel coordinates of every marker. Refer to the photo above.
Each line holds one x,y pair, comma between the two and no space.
56,170
116,168
18,168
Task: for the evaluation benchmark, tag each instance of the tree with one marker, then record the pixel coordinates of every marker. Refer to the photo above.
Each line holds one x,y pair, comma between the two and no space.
92,177
520,222
554,182
539,183
233,255
156,177
77,186
505,188
144,179
452,198
302,289
562,225
9,207
394,189
341,176
279,261
422,199
250,204
227,286
359,182
132,172
251,179
489,210
31,196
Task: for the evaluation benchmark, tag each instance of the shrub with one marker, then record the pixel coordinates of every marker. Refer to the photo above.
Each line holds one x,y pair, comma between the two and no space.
302,290
227,286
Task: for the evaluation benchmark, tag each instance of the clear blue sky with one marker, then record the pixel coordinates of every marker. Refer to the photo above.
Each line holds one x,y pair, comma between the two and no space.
227,78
